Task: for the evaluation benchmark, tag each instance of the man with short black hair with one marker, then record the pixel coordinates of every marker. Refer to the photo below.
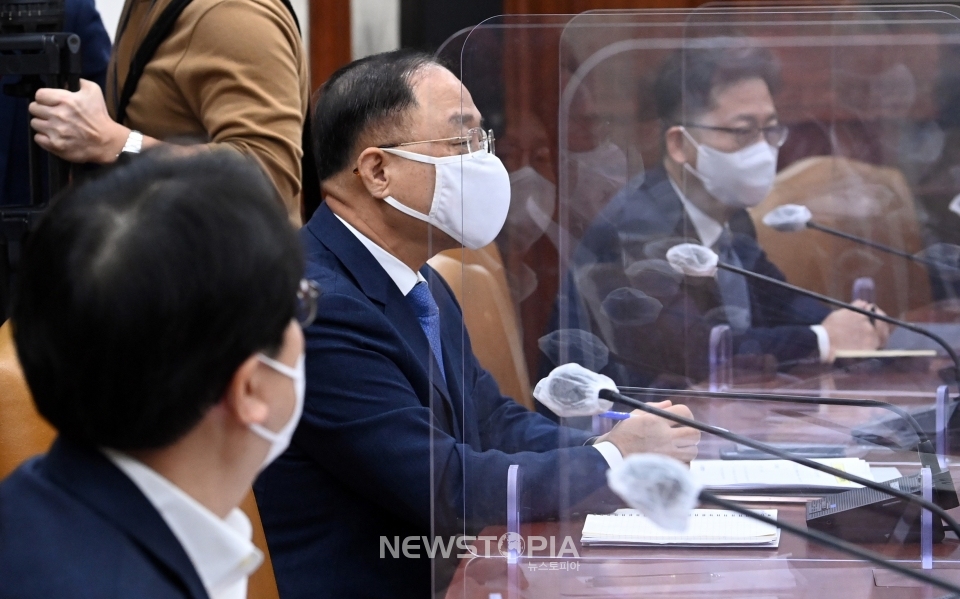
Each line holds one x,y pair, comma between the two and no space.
404,435
154,321
720,141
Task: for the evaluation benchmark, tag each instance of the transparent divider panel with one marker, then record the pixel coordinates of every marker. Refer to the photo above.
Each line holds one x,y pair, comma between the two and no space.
660,163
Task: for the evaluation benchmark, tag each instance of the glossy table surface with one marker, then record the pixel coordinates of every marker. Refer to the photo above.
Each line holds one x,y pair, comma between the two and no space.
796,568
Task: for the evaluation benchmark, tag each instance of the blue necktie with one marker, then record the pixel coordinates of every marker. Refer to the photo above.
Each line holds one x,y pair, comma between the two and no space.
425,307
733,287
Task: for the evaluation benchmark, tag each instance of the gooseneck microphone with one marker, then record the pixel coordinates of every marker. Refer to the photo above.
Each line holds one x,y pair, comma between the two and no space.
571,390
793,217
662,489
699,261
924,443
586,344
945,493
783,455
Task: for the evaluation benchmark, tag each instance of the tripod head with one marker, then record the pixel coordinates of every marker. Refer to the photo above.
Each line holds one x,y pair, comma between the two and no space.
31,16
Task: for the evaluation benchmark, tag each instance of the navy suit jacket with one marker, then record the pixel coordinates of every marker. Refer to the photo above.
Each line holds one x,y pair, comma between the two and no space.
73,525
386,450
676,344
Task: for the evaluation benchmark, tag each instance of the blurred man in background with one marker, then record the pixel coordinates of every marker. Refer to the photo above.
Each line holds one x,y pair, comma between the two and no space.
171,384
720,141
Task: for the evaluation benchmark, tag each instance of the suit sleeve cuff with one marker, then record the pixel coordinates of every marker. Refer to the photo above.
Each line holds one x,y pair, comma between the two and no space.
610,453
823,342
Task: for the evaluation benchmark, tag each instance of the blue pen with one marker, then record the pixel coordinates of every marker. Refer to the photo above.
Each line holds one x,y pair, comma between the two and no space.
615,415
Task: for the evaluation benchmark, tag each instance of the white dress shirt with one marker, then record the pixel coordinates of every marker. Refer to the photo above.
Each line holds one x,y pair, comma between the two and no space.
220,549
405,278
709,231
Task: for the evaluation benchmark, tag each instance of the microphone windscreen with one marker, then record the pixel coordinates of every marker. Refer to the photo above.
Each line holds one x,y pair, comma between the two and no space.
657,250
659,487
788,218
947,258
630,307
954,205
693,260
654,277
572,390
575,345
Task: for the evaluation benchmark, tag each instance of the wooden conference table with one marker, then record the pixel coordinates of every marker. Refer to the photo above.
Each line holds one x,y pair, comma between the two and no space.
795,569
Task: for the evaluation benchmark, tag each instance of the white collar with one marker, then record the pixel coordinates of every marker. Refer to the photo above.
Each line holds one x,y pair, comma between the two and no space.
220,549
404,276
708,230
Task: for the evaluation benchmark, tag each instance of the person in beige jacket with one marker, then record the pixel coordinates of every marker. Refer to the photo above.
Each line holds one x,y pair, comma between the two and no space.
230,73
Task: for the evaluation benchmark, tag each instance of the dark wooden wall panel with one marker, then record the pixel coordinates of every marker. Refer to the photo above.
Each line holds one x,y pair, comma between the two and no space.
329,38
578,6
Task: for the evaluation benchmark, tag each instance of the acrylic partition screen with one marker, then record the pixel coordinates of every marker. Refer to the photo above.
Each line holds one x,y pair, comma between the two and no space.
691,194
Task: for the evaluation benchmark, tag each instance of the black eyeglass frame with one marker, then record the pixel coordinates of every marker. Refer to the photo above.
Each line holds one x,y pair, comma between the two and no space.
745,135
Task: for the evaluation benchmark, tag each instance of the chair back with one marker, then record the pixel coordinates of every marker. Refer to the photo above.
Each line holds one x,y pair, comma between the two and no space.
865,200
23,432
478,280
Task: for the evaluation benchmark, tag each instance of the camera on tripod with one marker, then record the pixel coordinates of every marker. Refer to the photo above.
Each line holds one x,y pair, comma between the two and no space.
37,53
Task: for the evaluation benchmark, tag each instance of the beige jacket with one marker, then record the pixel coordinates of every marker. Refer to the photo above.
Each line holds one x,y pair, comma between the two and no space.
231,72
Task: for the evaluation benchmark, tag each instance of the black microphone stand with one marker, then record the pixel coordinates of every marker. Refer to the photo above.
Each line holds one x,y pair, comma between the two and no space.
879,246
783,455
924,444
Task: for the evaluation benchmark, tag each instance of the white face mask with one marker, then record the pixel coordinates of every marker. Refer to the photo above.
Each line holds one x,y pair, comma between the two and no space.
740,179
533,199
471,196
280,440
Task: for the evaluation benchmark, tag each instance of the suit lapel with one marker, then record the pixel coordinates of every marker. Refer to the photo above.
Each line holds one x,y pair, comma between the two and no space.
377,285
706,292
94,480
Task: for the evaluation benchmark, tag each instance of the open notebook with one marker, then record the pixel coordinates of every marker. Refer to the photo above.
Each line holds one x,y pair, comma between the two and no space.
706,528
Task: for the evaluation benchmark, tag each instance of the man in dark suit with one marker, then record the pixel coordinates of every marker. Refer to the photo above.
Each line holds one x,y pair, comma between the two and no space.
720,139
406,441
168,381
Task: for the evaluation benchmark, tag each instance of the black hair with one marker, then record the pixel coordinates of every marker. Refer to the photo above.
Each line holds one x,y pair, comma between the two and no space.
689,78
359,97
142,291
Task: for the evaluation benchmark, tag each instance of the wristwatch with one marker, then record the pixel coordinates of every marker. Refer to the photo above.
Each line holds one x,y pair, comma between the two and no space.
134,143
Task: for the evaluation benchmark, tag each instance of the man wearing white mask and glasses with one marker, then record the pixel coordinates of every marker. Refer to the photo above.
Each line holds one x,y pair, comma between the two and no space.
404,435
157,320
721,137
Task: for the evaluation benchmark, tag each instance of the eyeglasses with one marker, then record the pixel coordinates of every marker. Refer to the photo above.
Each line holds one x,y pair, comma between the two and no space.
307,296
475,140
775,135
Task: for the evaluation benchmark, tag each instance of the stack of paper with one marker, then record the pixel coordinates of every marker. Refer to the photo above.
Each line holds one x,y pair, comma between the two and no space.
850,354
706,528
771,476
